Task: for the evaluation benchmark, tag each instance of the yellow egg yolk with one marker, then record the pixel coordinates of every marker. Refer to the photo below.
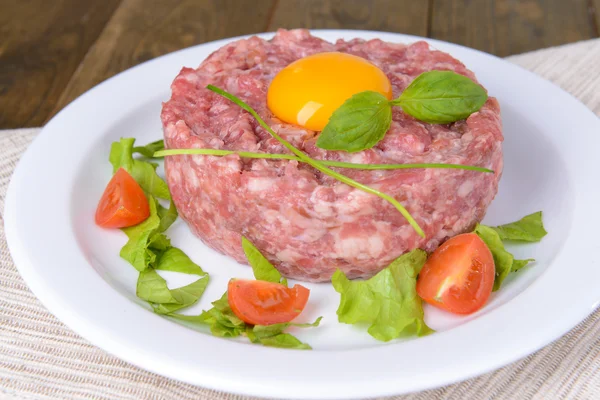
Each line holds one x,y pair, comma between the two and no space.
309,90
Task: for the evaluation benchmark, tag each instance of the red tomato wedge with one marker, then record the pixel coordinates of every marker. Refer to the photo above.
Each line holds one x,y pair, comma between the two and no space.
266,303
123,203
459,275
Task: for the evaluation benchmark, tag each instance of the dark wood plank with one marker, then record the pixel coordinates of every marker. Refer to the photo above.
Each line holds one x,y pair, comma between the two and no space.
505,27
41,45
594,9
145,29
405,16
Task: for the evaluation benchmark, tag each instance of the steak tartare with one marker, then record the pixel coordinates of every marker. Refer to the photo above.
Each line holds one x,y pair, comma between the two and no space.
307,223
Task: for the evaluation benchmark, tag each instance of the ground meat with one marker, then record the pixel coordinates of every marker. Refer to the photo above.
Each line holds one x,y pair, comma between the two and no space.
307,223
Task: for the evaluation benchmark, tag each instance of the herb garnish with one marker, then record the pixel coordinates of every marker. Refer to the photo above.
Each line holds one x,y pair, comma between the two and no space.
529,229
148,248
437,97
224,323
388,301
338,164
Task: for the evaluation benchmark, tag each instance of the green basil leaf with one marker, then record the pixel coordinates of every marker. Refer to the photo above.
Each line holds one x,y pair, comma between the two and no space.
136,250
184,296
441,97
149,149
121,156
262,268
518,264
153,288
388,301
173,259
358,124
503,260
528,229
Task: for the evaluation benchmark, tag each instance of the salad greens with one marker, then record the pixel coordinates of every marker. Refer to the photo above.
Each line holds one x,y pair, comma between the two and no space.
261,267
149,149
437,97
388,301
144,172
224,323
148,248
529,228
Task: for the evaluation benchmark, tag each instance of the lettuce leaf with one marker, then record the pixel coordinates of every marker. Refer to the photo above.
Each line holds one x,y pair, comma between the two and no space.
528,229
137,250
224,323
153,288
388,301
149,149
261,267
173,259
121,156
503,260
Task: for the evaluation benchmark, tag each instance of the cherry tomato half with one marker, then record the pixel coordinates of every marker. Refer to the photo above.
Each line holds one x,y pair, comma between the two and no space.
266,303
459,275
123,203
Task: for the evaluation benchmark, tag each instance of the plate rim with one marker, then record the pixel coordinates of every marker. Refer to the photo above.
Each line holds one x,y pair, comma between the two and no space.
75,320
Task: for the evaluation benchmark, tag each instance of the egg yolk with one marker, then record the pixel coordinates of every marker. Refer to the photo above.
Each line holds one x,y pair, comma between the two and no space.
309,90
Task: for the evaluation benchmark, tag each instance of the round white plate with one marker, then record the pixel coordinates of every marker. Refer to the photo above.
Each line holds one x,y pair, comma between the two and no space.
551,143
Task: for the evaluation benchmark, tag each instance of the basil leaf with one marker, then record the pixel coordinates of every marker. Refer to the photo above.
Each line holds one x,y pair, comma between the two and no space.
518,264
153,288
149,149
184,296
136,250
262,268
528,229
358,124
173,259
388,301
503,260
441,97
121,156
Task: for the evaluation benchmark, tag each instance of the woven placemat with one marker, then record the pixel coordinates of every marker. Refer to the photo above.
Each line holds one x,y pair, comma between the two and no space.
42,358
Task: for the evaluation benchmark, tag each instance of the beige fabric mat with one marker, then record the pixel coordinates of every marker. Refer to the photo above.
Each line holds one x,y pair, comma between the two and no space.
41,358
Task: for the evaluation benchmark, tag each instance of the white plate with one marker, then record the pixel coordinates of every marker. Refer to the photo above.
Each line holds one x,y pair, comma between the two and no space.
74,268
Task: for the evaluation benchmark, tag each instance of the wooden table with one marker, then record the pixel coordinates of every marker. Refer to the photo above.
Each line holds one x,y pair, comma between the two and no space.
53,51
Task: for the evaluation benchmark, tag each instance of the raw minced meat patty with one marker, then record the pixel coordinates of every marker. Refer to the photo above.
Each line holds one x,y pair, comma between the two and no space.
307,223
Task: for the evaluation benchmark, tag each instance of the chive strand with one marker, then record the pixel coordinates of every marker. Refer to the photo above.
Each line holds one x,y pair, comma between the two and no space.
339,164
317,165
